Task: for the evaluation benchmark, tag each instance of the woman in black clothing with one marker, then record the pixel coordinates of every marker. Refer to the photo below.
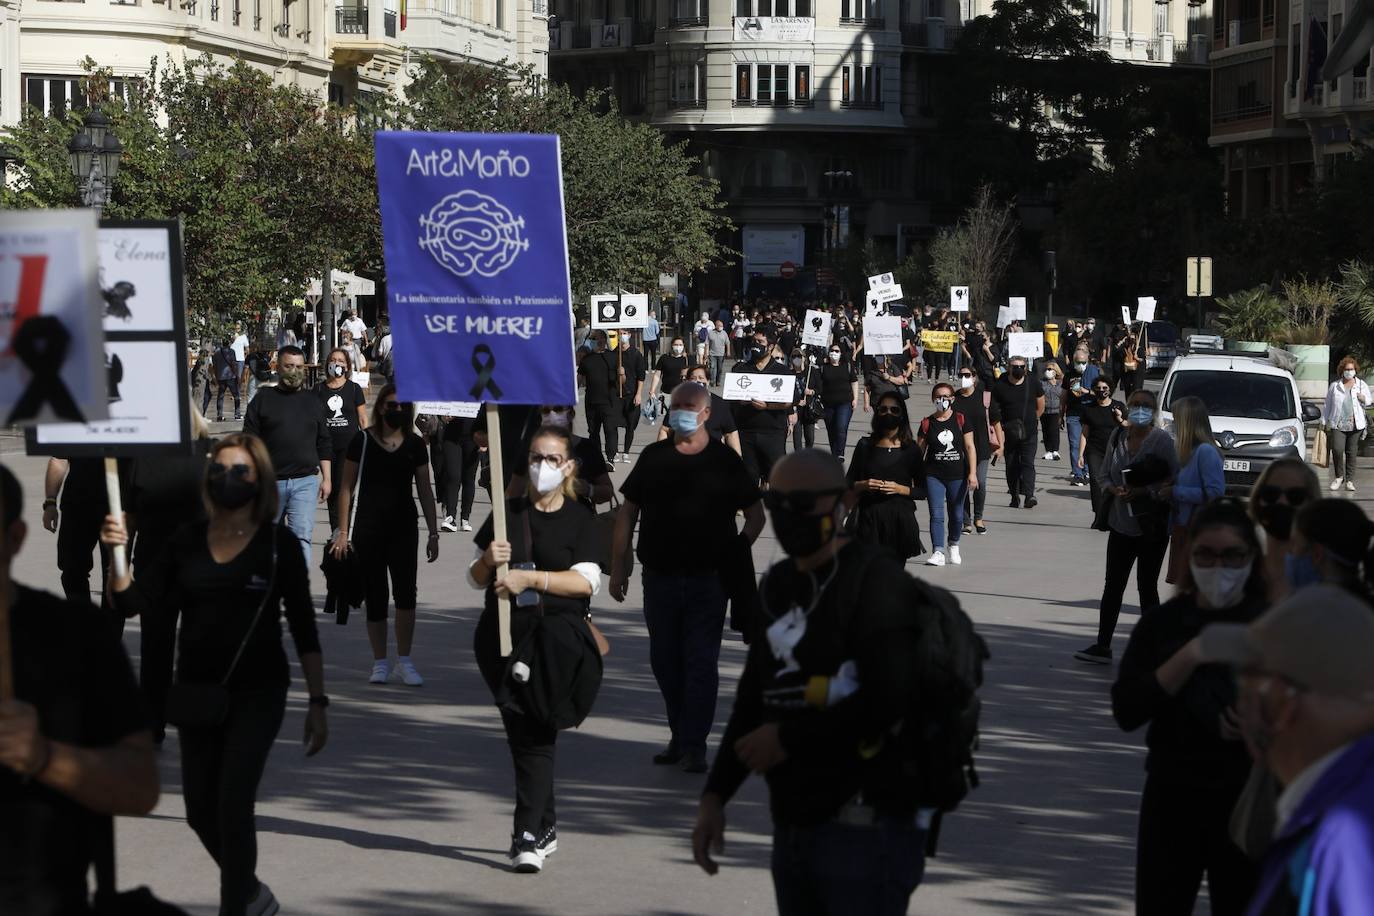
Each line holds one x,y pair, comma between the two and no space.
808,377
394,464
461,457
1197,763
228,581
839,387
885,471
552,556
345,412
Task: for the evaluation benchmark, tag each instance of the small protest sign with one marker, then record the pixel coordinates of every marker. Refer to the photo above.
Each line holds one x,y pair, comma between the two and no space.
940,341
1030,344
1017,306
1145,309
958,298
816,328
752,386
883,336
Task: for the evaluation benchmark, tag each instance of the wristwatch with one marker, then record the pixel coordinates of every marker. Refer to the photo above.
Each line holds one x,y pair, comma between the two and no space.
321,701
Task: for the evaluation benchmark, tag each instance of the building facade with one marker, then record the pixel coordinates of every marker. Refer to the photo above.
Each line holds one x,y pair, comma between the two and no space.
816,116
341,50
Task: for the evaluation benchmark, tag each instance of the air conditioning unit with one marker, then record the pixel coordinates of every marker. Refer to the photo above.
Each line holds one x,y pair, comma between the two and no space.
1233,33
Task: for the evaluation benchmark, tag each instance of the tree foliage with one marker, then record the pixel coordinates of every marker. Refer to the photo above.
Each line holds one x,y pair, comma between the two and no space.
976,252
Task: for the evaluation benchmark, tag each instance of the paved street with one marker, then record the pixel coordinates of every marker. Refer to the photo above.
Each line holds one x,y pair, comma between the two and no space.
407,810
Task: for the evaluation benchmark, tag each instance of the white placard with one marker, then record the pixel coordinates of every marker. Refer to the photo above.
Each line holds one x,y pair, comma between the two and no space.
1030,344
48,274
1017,305
136,279
1145,309
634,310
466,409
625,311
816,329
309,318
883,336
143,407
881,280
1126,314
361,379
1003,316
885,294
752,386
958,298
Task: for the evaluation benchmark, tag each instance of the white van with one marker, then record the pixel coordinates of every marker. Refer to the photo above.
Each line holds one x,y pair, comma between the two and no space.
1254,407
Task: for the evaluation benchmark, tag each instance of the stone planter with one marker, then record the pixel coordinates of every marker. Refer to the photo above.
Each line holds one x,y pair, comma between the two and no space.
1312,372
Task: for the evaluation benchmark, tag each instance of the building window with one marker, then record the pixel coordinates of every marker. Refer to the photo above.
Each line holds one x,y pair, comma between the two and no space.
1161,18
687,83
861,86
801,86
860,11
781,85
687,13
774,8
743,79
1102,14
1241,91
54,95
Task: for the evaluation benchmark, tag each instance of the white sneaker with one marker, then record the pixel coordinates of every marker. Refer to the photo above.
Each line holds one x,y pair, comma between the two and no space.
381,672
1047,456
263,903
466,525
409,675
1336,484
1350,485
936,559
448,524
1055,456
954,554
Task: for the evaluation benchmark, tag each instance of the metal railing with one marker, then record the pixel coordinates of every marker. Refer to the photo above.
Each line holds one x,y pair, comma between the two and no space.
773,103
917,34
688,22
864,22
861,104
685,104
350,20
1243,112
214,10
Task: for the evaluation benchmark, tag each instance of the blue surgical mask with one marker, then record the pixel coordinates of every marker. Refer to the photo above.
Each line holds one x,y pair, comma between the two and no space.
1140,416
1300,570
684,422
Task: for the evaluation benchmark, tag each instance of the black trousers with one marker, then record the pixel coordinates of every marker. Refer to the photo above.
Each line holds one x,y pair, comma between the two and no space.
1097,477
231,385
336,470
1123,552
220,771
803,436
601,421
532,753
1182,835
1020,458
629,419
78,535
461,459
762,450
386,547
1049,428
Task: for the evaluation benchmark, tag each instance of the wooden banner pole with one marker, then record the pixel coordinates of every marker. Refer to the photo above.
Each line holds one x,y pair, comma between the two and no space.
498,519
119,558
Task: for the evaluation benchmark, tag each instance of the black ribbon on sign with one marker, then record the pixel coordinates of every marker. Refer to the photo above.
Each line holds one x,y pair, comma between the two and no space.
484,372
41,345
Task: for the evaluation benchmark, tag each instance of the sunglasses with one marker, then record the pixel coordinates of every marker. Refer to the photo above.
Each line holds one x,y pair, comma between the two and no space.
1234,558
965,375
889,409
219,471
1270,494
801,502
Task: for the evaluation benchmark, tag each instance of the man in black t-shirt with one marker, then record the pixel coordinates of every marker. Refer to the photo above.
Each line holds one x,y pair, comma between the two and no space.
631,392
74,744
762,426
1021,401
600,374
684,495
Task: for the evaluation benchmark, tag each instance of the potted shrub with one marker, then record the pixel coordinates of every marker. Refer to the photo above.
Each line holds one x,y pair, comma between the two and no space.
1311,306
1251,318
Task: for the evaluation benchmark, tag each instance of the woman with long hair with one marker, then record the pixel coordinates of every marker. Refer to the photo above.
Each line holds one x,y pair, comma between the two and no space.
1200,477
1052,420
552,559
345,412
951,470
227,582
1282,488
1197,763
885,469
1333,542
394,465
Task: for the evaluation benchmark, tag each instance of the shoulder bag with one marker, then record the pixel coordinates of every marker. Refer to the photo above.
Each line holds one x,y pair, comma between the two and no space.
1014,430
345,578
207,705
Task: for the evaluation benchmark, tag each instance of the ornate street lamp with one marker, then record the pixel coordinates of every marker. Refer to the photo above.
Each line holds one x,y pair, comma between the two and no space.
94,155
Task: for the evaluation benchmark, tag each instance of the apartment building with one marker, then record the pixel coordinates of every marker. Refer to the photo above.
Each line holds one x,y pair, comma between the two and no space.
1337,115
816,116
341,49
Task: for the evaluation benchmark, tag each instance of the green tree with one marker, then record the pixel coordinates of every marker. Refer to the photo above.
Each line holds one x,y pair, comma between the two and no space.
975,253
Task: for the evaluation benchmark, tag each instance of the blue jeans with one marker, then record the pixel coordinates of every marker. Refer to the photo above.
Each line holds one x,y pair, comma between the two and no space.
837,417
837,869
942,495
686,617
296,508
717,369
1073,426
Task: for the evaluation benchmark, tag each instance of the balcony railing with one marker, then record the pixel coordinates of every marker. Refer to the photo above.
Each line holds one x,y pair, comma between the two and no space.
918,34
774,191
861,104
688,22
389,23
350,20
773,103
685,104
1243,112
864,22
214,10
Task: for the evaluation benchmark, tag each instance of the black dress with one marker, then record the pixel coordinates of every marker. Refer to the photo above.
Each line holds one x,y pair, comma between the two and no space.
887,519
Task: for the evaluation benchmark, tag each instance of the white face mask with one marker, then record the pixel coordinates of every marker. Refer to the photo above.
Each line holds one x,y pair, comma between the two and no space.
966,383
561,418
1348,373
834,356
545,478
677,349
942,404
1049,375
1222,586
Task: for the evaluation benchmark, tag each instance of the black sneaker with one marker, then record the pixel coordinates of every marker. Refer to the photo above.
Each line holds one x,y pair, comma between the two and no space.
1032,502
524,854
668,756
1098,655
1016,502
694,761
548,842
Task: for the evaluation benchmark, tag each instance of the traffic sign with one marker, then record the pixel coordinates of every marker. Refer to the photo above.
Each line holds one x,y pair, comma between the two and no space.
788,270
1199,277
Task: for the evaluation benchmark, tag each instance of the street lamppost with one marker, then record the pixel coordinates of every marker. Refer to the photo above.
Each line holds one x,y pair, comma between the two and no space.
94,156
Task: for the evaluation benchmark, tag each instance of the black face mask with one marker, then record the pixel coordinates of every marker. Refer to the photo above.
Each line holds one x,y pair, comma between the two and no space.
800,534
1277,520
393,417
756,352
1018,371
885,424
230,490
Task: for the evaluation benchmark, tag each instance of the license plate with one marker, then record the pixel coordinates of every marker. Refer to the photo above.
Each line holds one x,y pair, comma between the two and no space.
1235,464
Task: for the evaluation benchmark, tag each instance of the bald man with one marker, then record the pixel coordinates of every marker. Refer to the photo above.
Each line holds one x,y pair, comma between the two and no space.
685,493
819,709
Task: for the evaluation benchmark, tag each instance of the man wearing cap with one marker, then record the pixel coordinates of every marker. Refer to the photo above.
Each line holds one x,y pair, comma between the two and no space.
1307,712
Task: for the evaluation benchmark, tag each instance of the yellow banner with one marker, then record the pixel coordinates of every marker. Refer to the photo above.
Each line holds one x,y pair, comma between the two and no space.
940,341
